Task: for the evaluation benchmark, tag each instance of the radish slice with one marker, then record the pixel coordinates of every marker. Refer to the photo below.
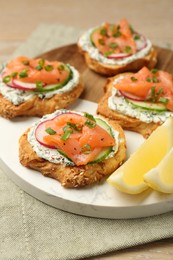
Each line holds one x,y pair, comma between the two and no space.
130,96
141,43
22,85
40,132
119,56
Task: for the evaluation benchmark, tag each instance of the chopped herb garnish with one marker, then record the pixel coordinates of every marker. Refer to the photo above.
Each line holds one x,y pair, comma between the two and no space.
86,148
117,34
61,67
14,74
67,132
154,95
90,123
127,49
113,45
41,62
38,67
6,79
154,71
50,131
108,53
103,31
148,79
48,67
101,41
39,85
23,74
89,116
163,100
155,79
25,62
133,79
74,126
137,37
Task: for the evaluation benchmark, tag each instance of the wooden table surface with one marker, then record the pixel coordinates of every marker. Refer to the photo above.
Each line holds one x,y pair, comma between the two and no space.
153,18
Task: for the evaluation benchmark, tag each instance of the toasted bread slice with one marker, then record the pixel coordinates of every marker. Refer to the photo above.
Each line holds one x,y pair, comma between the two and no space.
127,122
73,176
149,61
39,106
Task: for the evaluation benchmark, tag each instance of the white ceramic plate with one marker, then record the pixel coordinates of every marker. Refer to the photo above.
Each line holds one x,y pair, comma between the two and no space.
102,200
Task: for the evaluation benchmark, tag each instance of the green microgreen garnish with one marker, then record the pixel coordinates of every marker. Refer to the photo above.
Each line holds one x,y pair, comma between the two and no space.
90,123
154,71
14,74
61,67
39,85
41,62
148,79
38,67
127,49
86,149
23,74
154,95
74,126
6,79
117,34
67,132
50,131
108,53
163,100
103,31
133,79
89,116
137,37
154,79
48,67
25,62
113,45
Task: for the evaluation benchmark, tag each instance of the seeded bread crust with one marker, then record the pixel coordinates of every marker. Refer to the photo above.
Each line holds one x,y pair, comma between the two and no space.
149,61
39,107
73,176
126,122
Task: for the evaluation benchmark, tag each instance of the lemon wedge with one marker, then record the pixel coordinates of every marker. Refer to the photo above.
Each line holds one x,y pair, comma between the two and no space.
160,178
129,177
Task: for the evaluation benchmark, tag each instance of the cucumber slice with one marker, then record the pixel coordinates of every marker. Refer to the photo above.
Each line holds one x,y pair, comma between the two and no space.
53,87
104,125
105,152
158,107
102,156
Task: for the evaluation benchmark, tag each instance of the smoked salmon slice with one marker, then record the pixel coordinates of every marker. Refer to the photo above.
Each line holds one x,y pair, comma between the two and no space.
114,38
36,70
79,137
150,85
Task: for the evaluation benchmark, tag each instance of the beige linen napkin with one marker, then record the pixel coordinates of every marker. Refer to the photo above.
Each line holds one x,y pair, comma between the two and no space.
31,230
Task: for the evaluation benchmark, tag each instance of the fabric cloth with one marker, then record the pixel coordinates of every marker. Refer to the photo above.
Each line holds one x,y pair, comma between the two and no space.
31,230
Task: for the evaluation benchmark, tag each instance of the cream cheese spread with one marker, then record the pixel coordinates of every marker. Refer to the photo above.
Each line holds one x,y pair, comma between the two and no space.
52,155
86,45
17,96
118,103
